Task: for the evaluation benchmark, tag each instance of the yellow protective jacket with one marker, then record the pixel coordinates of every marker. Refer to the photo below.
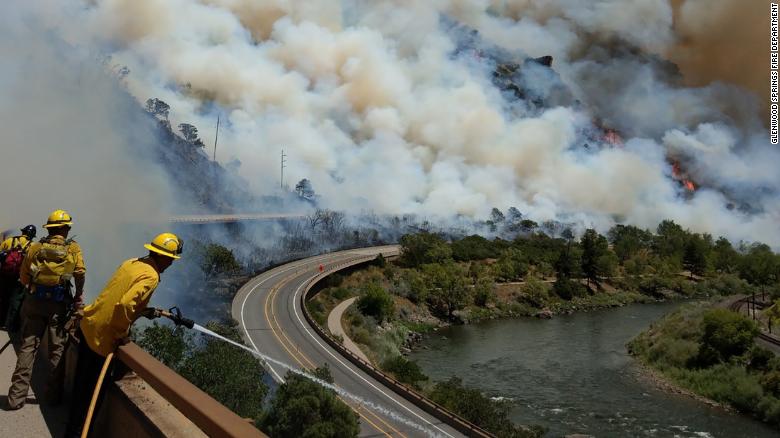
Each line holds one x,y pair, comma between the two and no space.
9,242
79,271
109,318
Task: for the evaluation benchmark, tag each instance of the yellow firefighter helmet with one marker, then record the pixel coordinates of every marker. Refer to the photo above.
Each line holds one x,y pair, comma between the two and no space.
167,244
58,218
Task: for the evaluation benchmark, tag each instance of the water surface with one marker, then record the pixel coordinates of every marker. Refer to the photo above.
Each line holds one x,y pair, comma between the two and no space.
572,374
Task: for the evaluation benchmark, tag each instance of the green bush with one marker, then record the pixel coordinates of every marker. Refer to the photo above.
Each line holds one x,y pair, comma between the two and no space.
169,345
340,293
412,285
422,248
674,352
484,291
361,335
386,343
475,407
769,406
317,311
771,382
447,286
232,376
303,408
725,334
535,293
724,284
376,302
759,358
726,383
476,248
511,265
404,370
567,288
216,259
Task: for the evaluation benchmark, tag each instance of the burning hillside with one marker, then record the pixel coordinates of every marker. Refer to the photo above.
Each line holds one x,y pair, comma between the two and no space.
567,110
678,174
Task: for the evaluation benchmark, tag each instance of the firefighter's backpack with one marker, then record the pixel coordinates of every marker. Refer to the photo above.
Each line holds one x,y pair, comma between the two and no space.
11,260
53,264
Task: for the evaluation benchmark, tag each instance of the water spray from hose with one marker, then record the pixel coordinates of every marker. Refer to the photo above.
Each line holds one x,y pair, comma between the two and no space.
339,391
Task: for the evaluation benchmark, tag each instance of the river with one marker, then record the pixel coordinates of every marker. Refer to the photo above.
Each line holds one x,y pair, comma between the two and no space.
572,374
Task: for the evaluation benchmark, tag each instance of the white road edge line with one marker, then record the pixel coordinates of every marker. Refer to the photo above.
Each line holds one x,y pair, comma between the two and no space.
289,267
248,336
303,325
295,309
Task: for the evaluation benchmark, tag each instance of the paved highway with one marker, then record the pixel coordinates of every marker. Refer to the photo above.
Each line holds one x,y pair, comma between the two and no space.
269,313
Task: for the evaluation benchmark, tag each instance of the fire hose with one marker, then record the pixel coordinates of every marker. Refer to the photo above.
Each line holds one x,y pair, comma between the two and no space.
5,346
174,314
95,395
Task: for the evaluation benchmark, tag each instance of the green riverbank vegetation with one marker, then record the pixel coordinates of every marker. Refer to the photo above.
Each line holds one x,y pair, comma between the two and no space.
436,282
711,352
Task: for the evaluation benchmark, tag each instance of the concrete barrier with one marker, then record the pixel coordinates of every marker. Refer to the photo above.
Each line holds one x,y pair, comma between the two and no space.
154,401
132,408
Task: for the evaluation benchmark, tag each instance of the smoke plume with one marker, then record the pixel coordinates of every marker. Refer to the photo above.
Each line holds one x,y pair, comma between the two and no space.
380,105
723,40
73,140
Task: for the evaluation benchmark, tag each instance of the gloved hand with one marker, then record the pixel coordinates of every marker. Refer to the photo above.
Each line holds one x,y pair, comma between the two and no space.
121,341
151,313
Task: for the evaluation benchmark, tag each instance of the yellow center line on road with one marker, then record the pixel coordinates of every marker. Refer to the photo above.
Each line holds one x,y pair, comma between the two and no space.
272,293
270,298
311,363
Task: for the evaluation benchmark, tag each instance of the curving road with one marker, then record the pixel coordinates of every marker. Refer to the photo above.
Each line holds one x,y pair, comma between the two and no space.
268,311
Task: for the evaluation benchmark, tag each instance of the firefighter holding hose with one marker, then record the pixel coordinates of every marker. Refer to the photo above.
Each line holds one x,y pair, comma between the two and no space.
106,322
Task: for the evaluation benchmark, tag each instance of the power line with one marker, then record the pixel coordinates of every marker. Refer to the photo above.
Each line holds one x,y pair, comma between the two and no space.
281,179
216,136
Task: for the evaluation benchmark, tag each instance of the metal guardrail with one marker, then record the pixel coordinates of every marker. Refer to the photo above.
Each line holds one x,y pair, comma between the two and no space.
209,415
457,422
222,218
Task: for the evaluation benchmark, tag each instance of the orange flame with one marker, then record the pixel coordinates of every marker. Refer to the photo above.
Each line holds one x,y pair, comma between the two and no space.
677,174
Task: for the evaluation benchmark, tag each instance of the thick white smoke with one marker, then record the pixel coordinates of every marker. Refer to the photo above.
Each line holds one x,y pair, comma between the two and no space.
73,140
370,103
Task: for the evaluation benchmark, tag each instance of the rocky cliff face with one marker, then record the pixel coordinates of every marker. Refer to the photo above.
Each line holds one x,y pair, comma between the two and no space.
204,185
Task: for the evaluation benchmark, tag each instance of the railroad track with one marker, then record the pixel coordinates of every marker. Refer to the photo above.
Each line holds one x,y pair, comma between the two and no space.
736,306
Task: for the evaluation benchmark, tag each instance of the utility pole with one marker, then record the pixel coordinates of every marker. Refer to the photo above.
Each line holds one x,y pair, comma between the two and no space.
216,136
281,179
754,305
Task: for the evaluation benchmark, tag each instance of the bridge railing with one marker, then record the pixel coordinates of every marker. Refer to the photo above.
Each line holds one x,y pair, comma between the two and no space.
209,415
457,422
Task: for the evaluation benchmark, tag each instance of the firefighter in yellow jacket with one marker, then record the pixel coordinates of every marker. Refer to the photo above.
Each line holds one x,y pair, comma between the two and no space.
12,253
46,272
106,322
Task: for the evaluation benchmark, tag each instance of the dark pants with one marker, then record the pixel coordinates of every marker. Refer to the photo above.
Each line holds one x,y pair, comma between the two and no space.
7,286
87,372
12,316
